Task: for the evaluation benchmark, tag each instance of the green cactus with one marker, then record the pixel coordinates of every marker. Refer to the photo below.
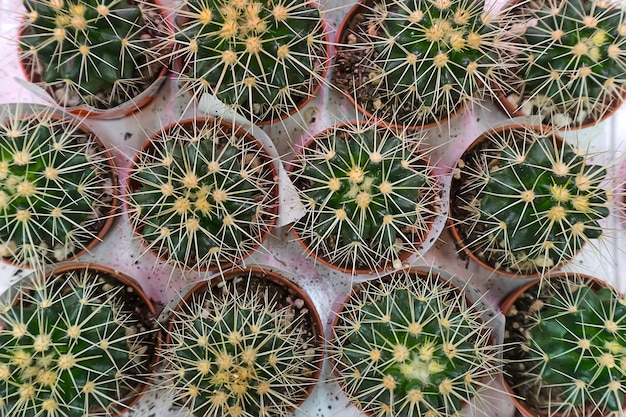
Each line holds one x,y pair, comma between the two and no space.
369,193
412,345
72,345
527,201
241,348
99,53
571,68
202,194
262,58
57,187
416,62
568,347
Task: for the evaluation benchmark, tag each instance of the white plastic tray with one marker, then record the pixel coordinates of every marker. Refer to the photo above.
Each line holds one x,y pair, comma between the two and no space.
606,259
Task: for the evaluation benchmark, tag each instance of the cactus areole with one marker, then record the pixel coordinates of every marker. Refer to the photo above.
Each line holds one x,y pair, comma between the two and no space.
523,201
567,338
78,342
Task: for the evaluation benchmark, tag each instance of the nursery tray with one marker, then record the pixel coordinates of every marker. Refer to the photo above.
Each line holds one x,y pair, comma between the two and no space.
605,259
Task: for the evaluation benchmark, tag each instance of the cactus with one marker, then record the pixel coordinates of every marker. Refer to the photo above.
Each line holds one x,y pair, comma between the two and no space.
96,53
72,344
526,201
265,59
411,344
417,62
369,193
202,194
567,353
242,346
571,69
57,185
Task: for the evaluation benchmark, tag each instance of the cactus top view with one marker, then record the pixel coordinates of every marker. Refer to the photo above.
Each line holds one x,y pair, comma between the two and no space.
416,62
265,59
567,354
78,343
99,53
571,67
526,201
370,196
57,187
412,345
244,346
202,194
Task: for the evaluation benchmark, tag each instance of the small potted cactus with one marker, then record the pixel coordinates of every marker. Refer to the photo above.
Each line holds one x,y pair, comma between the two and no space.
524,202
78,342
246,343
101,58
264,59
566,347
370,197
58,187
202,194
416,62
411,343
570,69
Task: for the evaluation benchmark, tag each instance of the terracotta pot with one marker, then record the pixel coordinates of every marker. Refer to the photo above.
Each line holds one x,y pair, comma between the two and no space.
442,277
423,243
453,223
108,217
505,306
144,313
181,69
349,25
145,97
148,148
283,286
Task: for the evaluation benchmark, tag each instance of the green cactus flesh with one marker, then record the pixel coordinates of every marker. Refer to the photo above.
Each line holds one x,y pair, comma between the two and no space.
101,50
571,341
56,189
427,58
574,61
70,347
245,349
369,194
262,58
203,194
409,346
538,201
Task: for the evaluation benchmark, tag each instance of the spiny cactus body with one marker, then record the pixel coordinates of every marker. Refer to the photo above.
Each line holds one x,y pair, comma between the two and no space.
244,347
526,201
416,62
369,194
96,53
202,194
72,345
568,347
265,59
411,344
56,187
571,69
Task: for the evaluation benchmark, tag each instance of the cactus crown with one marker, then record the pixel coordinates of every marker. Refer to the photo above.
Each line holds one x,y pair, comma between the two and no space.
568,352
369,193
56,188
71,345
262,58
96,52
202,194
423,58
529,201
242,348
411,344
572,66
